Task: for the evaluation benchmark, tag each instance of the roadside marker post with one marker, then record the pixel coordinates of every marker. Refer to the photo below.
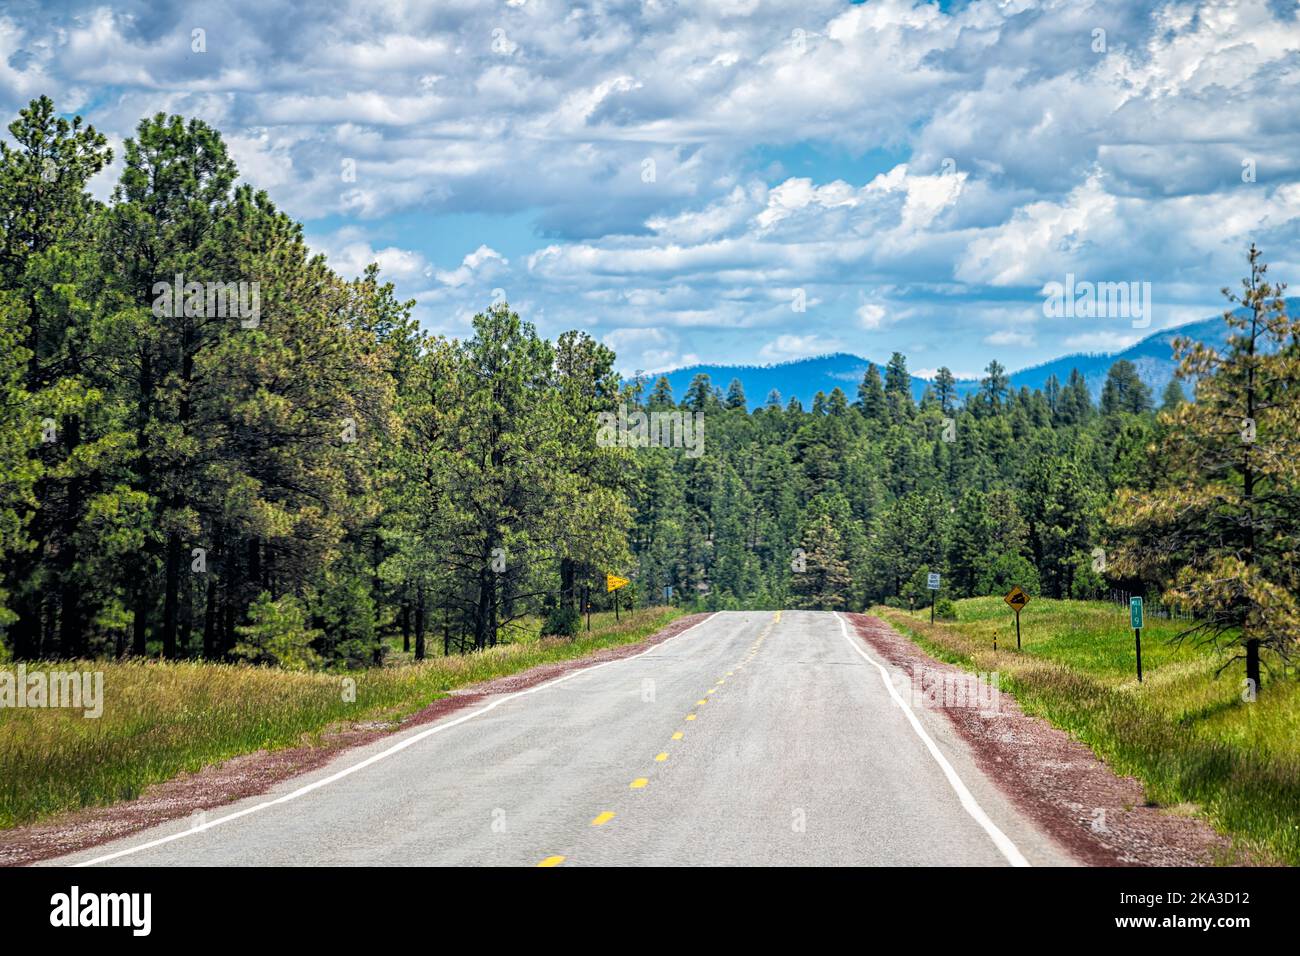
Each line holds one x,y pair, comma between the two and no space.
932,582
1017,599
1135,618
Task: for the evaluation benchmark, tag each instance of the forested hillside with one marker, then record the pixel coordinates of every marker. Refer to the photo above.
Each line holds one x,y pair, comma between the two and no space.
875,490
214,446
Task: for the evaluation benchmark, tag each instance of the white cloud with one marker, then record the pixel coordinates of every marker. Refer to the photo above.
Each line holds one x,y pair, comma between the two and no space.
871,315
1116,166
483,262
348,253
1010,337
786,347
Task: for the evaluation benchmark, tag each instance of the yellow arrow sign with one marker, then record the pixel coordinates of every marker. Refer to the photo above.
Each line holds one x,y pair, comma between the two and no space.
1016,598
613,582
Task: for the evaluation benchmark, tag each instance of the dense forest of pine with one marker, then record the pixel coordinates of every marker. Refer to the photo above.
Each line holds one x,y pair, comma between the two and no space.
297,483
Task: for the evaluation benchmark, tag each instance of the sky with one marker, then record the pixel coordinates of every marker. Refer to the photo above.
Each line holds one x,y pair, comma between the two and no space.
732,181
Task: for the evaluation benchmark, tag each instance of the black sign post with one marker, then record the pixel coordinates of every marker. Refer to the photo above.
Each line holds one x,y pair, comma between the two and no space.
1017,599
1135,618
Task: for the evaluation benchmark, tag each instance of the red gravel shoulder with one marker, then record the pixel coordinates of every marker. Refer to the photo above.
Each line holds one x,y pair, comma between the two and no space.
1099,818
256,773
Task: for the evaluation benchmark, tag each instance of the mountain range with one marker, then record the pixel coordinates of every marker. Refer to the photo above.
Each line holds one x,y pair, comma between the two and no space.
1153,357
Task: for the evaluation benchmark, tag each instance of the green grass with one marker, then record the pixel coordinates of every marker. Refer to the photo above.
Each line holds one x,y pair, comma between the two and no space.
162,719
1187,735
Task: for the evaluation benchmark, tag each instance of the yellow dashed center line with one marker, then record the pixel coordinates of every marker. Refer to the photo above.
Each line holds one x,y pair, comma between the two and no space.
640,782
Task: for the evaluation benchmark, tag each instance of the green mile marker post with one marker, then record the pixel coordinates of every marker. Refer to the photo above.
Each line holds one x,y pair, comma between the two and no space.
1135,617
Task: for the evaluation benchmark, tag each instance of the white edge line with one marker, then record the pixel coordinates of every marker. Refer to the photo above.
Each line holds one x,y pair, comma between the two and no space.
399,746
968,801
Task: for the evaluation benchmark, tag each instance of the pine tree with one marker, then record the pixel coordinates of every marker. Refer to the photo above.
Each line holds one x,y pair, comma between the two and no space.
1052,392
1124,391
898,389
995,385
1075,406
1172,396
945,390
699,394
1219,535
662,396
736,395
46,266
824,583
871,395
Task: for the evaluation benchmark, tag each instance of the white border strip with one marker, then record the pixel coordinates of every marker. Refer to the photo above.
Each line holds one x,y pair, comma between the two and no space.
968,802
396,748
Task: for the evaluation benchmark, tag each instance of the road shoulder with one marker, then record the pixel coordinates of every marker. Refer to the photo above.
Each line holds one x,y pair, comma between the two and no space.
1098,817
255,774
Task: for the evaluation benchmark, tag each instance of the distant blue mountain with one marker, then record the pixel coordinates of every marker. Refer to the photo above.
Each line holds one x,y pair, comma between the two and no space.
804,378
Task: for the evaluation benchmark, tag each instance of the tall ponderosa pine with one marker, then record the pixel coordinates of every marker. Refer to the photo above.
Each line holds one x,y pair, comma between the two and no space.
1219,535
47,227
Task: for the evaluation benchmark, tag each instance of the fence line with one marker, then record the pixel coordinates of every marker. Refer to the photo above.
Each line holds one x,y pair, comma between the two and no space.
1151,608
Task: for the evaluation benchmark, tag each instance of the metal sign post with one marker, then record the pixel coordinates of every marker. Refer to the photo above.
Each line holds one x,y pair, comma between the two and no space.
1017,599
932,582
612,583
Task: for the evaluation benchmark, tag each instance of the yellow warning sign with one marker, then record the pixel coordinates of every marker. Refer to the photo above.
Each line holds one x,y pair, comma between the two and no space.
613,582
1016,598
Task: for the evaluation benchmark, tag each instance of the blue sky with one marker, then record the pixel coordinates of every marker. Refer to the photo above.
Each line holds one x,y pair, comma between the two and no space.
677,178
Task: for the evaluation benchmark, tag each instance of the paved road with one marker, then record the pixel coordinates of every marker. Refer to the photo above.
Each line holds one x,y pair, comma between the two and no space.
752,738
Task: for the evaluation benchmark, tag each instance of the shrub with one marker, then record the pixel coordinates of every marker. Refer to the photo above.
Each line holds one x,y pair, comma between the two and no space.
277,634
562,622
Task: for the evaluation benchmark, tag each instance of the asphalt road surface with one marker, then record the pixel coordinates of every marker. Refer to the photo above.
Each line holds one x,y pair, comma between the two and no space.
753,738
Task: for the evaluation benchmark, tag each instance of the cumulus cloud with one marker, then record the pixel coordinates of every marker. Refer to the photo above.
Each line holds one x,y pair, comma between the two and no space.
660,171
786,347
483,262
349,252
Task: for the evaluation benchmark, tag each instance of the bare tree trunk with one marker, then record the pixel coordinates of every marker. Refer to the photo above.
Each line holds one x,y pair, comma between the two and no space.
140,613
419,623
171,609
405,619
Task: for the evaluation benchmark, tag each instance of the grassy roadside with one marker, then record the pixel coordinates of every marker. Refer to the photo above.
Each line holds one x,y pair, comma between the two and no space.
162,719
1187,735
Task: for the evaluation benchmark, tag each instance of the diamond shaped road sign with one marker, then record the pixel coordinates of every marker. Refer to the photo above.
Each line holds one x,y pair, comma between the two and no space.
1016,598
